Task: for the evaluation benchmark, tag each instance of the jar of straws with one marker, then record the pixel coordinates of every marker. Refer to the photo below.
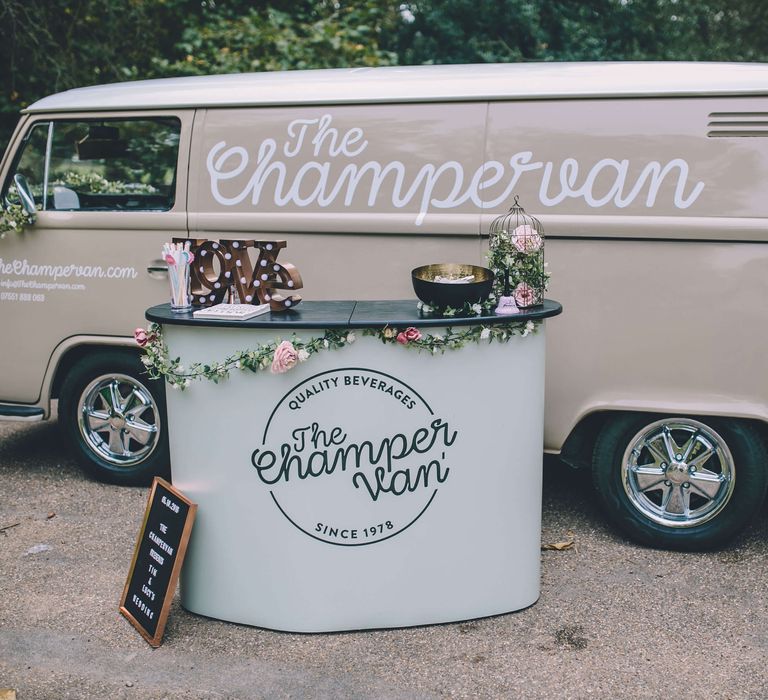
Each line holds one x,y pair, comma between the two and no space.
179,257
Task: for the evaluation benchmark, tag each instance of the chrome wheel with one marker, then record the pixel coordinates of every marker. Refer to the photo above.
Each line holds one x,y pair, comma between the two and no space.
678,472
119,419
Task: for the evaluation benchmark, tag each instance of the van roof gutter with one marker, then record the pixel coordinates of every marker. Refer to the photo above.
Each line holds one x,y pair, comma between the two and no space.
447,83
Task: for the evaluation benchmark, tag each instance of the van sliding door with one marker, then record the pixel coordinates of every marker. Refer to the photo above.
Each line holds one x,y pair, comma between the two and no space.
657,230
361,193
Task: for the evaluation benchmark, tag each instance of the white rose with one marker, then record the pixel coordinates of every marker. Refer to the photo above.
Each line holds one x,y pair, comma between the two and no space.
485,334
351,337
303,355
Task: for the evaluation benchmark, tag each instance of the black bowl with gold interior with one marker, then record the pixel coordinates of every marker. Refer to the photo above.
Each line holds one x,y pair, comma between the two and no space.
443,294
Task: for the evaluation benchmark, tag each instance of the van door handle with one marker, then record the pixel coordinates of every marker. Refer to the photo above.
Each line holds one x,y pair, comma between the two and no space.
157,268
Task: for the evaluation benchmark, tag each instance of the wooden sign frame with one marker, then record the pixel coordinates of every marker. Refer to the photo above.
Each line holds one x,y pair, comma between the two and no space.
165,596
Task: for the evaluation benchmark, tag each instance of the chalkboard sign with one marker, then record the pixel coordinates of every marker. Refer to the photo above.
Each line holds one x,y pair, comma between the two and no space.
157,560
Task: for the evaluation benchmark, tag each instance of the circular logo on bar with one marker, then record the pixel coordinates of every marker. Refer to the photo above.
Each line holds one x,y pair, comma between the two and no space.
353,456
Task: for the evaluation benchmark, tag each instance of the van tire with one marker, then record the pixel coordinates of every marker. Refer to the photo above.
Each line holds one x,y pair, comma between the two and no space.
113,417
689,504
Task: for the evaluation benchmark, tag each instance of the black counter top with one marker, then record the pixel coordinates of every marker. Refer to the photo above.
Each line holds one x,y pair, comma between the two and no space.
351,314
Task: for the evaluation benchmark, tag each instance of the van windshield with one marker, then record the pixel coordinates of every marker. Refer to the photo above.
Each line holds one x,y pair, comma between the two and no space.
100,165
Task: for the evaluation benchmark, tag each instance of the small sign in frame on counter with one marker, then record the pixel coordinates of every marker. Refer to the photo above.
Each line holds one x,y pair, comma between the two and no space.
157,560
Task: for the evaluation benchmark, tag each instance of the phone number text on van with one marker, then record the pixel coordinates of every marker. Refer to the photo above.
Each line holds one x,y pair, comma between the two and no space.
23,296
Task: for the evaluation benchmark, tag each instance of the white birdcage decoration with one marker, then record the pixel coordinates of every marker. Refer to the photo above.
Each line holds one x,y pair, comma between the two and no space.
516,256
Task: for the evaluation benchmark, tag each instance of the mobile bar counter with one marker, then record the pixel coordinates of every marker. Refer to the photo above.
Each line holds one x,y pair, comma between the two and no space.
370,486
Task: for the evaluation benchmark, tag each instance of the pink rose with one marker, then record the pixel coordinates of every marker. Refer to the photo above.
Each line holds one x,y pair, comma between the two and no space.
141,337
408,335
285,357
524,295
526,239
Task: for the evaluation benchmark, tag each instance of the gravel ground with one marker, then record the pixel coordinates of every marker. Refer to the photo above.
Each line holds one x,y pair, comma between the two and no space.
614,619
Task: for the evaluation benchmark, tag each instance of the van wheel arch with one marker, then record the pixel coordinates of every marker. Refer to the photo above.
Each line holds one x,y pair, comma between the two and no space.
580,444
112,415
69,359
690,519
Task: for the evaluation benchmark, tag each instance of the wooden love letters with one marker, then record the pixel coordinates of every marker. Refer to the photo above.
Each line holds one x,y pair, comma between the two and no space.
225,270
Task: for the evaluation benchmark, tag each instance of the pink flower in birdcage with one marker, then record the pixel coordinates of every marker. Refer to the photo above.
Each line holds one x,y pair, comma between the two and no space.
285,358
525,295
526,239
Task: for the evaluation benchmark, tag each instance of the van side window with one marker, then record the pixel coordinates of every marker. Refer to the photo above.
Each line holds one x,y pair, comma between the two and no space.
101,165
31,164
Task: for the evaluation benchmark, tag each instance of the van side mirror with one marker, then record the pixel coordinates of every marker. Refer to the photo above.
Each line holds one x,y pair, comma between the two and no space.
25,194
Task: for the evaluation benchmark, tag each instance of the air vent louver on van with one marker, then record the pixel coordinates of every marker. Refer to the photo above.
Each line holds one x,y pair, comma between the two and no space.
737,124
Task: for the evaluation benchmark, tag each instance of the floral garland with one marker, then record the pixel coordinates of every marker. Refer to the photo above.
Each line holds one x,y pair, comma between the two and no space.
14,217
279,356
479,309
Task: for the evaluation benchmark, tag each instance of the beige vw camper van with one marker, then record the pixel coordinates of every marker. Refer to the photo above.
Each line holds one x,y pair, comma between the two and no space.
650,180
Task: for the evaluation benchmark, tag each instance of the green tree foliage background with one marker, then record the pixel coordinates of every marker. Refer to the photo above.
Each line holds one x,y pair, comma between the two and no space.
52,45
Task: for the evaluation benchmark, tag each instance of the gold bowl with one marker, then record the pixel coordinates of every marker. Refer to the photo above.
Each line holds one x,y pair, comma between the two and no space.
455,295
